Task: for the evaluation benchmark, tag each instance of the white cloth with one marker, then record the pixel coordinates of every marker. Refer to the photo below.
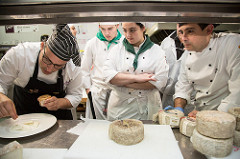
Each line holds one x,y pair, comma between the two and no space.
95,54
169,46
131,103
213,73
17,66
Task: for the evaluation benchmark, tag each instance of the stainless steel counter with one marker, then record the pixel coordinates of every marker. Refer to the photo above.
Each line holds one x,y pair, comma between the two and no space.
57,137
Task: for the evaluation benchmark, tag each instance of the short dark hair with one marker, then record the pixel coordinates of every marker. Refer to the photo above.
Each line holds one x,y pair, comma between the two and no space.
141,26
202,25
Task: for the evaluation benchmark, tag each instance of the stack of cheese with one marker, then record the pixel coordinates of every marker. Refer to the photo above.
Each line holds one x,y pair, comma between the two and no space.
213,135
187,125
12,150
235,111
170,117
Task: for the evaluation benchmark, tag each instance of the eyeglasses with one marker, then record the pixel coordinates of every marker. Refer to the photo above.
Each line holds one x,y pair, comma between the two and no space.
47,61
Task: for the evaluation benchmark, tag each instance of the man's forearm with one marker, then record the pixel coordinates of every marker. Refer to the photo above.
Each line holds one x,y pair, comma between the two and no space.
143,86
180,102
122,79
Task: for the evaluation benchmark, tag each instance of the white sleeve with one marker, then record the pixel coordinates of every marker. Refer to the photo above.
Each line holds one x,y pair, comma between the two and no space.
110,65
161,70
233,68
73,83
86,65
183,87
9,66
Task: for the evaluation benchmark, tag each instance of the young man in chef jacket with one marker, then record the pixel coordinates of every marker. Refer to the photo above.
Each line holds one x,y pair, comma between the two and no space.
95,54
211,68
42,68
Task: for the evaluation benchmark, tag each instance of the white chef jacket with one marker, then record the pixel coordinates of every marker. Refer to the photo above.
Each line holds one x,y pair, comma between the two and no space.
213,73
131,103
17,66
169,46
95,54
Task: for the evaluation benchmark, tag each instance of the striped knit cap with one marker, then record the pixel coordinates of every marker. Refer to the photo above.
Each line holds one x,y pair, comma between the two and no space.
64,45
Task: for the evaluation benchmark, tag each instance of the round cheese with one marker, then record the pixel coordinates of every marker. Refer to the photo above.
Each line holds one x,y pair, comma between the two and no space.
126,132
235,111
236,138
170,117
12,150
215,124
187,125
211,147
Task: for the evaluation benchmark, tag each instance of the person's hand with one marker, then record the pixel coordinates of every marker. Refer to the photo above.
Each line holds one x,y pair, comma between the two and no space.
7,107
193,113
145,77
55,103
171,107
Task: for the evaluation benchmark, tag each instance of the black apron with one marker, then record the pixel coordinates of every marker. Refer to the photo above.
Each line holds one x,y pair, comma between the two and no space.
25,99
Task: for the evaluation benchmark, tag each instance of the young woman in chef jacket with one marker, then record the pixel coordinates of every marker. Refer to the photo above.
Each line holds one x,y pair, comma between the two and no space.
136,69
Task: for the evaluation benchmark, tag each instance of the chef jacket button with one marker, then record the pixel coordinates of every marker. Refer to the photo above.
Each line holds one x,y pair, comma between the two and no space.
105,49
189,68
143,57
204,103
129,92
195,100
206,92
140,92
192,82
199,91
190,53
209,65
210,48
127,70
127,58
142,70
211,80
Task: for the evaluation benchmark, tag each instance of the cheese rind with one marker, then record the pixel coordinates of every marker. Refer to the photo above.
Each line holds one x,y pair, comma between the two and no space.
12,150
187,125
211,147
235,111
126,132
236,138
215,124
170,117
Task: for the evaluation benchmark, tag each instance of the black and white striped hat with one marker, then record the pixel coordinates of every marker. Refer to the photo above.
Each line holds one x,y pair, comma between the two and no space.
64,45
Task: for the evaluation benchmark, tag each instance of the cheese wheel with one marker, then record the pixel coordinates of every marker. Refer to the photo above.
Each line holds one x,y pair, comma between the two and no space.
170,117
187,125
235,111
42,99
236,138
215,124
126,132
211,147
12,150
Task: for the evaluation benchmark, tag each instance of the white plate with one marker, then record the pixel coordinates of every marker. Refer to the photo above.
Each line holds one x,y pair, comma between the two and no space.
45,121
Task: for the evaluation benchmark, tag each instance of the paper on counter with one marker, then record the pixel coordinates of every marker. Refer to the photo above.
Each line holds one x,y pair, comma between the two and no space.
78,129
37,153
158,143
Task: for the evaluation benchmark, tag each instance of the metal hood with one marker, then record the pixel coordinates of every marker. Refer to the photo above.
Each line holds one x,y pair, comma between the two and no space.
15,12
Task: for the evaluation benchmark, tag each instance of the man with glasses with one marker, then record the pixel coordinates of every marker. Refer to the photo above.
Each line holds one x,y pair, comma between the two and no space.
211,68
42,68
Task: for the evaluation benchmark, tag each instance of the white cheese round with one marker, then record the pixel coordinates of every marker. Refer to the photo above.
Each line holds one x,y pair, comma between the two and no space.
235,111
211,147
187,125
236,138
126,132
12,150
215,124
170,117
